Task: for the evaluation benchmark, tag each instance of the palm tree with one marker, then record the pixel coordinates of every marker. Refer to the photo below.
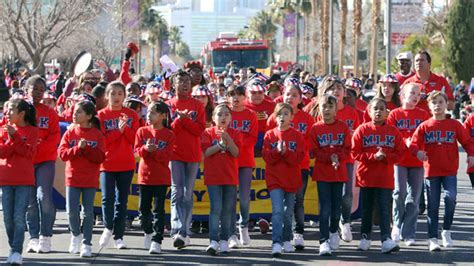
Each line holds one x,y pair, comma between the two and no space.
262,25
174,38
157,28
324,36
342,34
356,32
375,30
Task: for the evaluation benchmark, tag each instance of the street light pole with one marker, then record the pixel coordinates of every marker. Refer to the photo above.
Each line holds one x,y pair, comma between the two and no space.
331,35
388,39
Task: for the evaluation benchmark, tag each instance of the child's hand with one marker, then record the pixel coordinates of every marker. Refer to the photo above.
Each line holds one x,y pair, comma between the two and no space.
10,130
408,142
226,137
182,114
421,155
123,122
149,146
335,161
82,143
470,161
283,147
380,155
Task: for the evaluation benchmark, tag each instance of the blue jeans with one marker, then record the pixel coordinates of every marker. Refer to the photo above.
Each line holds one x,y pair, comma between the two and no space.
15,203
346,210
73,198
299,203
153,218
406,199
115,187
368,196
222,199
41,210
330,200
433,191
183,176
283,204
245,181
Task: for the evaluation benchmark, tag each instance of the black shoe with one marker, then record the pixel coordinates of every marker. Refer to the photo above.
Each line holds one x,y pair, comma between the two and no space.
196,227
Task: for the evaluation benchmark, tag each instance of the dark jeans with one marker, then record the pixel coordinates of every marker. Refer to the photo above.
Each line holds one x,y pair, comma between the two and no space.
330,200
15,203
433,191
299,203
471,176
115,187
153,220
384,197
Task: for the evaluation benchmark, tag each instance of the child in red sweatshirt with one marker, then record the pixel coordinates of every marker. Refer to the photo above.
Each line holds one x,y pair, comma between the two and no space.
221,145
409,170
245,121
433,142
41,210
469,125
154,144
283,152
377,146
330,140
302,122
83,149
119,125
18,142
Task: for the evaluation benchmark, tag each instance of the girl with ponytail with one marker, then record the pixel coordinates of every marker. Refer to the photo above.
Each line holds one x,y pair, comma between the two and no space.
83,149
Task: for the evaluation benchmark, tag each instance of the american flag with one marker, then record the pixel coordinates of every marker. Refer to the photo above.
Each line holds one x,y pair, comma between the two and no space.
260,76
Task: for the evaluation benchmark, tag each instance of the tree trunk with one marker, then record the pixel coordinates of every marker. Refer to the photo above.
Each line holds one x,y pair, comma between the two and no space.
343,35
315,39
324,36
373,45
356,34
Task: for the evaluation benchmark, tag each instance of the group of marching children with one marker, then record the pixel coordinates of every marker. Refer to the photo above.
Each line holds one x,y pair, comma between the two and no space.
397,151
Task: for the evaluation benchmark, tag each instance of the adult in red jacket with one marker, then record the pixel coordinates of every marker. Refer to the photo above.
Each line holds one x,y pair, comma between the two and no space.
188,123
41,210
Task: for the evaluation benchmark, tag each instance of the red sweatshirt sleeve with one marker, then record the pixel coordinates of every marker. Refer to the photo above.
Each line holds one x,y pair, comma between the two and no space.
66,153
129,132
395,154
357,151
26,148
465,139
195,127
124,76
417,141
6,148
139,144
269,154
345,153
164,155
96,154
295,157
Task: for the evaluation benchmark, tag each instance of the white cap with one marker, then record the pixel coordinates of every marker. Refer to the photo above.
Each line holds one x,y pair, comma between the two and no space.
405,55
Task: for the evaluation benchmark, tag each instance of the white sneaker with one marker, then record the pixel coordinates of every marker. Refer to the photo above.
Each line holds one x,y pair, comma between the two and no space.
334,241
9,258
325,249
234,242
119,244
187,241
389,246
346,233
213,248
364,244
147,240
446,237
410,242
313,223
44,244
155,248
288,247
224,246
298,240
86,251
276,250
105,238
32,245
75,244
244,236
395,234
179,241
433,244
16,258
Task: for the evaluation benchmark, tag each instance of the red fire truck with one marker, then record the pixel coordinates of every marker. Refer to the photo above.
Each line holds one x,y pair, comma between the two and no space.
243,52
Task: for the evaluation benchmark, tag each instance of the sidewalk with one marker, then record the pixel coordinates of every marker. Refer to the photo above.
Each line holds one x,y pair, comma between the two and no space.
260,251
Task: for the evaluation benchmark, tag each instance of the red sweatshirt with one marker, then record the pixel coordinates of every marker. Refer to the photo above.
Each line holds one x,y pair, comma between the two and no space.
263,111
188,131
469,125
82,165
246,123
124,76
390,106
153,169
16,156
49,134
439,139
118,146
434,83
365,144
283,170
303,122
360,105
221,168
325,140
406,121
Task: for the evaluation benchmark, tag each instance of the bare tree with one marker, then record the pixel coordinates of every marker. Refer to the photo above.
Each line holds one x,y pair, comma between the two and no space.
356,33
375,30
37,26
342,34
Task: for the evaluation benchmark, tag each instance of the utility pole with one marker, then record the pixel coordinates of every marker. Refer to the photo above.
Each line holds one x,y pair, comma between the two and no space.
331,35
388,39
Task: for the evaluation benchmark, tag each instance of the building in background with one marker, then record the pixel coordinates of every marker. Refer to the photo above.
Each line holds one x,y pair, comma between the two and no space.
202,20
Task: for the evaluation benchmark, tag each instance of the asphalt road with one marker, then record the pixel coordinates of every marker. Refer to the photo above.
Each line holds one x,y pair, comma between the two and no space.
260,250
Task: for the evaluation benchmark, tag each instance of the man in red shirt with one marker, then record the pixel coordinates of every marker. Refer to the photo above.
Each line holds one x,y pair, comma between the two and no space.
429,81
404,63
